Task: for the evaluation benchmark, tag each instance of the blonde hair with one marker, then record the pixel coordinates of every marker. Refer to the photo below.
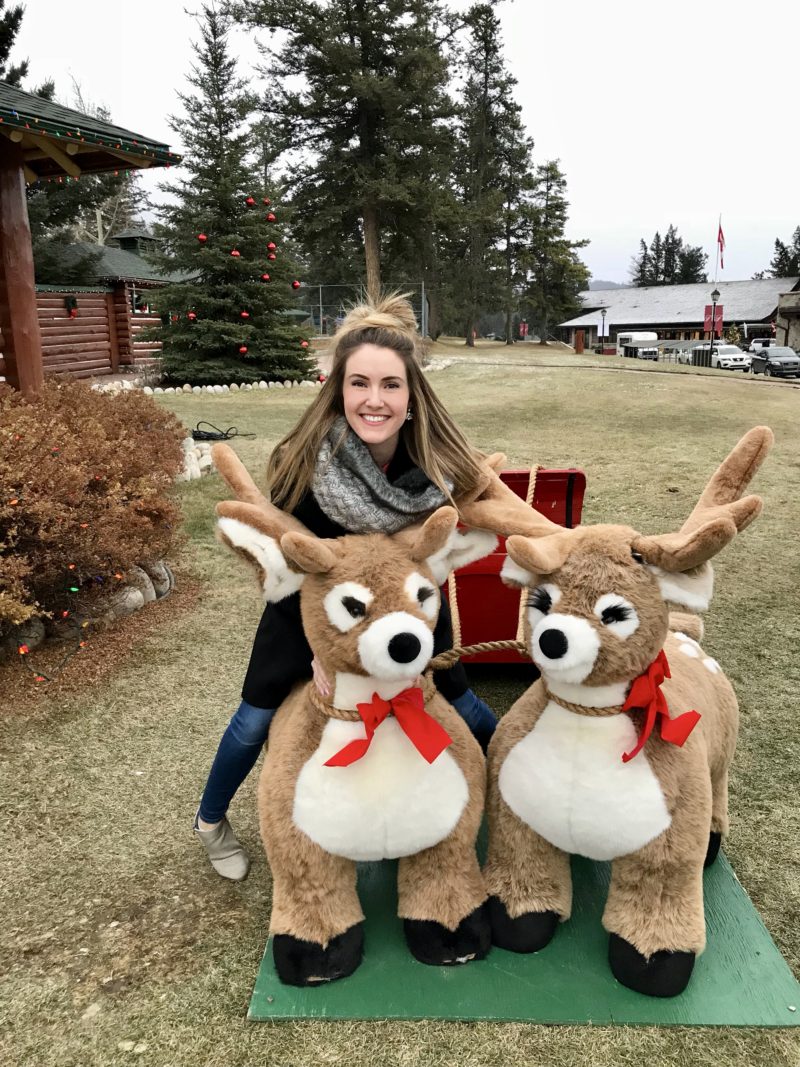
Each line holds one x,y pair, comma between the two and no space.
433,441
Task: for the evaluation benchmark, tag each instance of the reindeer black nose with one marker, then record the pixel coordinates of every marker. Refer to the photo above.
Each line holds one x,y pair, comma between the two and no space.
403,648
553,643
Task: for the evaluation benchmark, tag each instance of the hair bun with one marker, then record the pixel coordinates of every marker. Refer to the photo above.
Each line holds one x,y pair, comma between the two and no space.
392,312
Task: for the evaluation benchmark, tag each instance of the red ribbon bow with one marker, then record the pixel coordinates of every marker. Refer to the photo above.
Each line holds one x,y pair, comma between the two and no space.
427,736
646,695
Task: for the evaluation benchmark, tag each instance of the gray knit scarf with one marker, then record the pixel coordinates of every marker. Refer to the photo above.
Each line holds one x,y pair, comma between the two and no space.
355,493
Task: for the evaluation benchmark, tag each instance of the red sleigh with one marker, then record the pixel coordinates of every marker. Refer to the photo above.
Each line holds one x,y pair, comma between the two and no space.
487,610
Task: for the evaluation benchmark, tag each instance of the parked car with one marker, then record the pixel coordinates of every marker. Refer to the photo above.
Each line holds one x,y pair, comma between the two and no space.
647,353
761,342
729,357
777,361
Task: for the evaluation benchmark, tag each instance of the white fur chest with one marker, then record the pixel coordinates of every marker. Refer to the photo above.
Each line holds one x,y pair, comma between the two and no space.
567,781
390,803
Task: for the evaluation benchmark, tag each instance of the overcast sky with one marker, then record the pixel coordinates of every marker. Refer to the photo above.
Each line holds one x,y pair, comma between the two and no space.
659,113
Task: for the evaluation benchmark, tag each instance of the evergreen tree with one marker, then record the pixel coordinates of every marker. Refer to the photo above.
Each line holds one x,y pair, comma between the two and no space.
558,274
667,261
488,123
369,112
519,184
10,21
231,318
785,263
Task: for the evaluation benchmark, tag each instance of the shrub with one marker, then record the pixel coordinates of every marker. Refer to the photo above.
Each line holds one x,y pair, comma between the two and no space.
85,482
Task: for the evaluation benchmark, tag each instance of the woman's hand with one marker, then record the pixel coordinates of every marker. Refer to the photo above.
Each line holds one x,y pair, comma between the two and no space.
320,678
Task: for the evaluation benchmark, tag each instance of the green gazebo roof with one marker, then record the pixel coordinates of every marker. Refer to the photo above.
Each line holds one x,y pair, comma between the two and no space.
57,140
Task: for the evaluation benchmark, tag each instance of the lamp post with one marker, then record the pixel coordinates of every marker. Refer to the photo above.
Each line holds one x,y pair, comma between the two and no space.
714,302
603,328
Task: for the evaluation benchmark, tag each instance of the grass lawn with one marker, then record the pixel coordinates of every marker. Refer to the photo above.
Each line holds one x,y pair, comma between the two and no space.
118,943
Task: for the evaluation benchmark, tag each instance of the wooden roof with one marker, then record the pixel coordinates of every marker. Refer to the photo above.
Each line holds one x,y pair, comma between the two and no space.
57,141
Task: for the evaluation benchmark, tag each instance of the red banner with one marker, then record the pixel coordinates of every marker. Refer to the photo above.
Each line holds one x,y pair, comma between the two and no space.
718,310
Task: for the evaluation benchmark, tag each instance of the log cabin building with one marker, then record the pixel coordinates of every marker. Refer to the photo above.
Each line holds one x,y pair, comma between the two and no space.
43,141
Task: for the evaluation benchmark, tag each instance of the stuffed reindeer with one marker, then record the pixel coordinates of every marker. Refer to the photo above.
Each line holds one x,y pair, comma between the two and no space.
621,750
386,768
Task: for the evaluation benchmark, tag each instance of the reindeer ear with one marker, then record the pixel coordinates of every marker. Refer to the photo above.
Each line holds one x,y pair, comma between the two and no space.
691,589
311,554
254,535
444,548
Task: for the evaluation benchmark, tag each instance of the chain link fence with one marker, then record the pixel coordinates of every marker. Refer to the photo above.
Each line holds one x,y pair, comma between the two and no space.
326,305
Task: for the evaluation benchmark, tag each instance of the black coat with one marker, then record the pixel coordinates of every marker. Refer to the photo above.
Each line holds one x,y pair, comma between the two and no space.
281,655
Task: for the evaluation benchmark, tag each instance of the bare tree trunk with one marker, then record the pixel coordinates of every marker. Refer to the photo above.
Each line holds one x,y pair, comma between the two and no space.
469,339
372,252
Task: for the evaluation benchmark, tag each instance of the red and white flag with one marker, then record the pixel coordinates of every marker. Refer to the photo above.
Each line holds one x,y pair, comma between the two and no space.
721,243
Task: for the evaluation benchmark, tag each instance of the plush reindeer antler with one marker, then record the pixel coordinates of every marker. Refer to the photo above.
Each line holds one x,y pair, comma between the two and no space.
239,479
718,515
500,510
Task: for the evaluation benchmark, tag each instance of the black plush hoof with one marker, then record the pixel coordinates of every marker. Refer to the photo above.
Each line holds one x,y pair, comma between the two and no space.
714,842
664,974
434,944
308,963
526,933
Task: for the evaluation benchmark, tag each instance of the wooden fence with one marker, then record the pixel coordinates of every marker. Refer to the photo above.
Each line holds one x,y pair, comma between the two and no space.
100,337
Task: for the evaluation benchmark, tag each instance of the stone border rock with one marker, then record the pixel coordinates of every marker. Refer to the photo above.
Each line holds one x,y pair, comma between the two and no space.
234,387
145,584
196,459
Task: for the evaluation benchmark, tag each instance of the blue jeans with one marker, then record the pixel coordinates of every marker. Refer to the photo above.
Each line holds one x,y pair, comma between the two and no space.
247,731
238,751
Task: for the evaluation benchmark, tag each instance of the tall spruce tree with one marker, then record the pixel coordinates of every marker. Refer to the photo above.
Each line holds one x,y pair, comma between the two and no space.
230,319
10,21
557,273
785,263
668,261
369,112
488,124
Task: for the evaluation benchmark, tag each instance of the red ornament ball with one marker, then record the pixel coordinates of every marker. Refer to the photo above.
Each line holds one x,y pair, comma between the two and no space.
295,284
322,377
267,201
242,349
271,217
244,314
272,256
191,316
264,277
304,344
236,253
271,246
250,201
201,237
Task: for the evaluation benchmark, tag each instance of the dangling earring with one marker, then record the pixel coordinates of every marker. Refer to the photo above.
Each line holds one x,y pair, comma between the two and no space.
409,415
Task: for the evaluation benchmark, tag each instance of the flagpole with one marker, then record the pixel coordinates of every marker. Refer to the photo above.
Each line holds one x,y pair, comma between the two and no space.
716,265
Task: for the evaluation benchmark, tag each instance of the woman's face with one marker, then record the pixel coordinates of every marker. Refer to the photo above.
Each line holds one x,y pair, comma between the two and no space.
375,395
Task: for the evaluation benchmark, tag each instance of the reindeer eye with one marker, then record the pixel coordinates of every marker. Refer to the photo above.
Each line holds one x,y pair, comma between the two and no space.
421,592
356,608
618,614
424,593
637,556
540,600
615,613
346,604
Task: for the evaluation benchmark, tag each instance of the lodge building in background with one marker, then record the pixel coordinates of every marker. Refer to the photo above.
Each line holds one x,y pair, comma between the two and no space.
676,312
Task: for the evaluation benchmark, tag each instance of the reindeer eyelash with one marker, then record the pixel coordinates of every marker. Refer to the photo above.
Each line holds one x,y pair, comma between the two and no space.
424,593
541,600
637,556
615,613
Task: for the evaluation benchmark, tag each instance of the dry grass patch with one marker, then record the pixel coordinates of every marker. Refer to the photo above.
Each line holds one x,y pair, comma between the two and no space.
116,931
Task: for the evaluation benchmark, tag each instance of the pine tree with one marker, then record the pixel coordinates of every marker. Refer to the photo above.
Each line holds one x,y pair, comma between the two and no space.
231,319
368,111
667,261
10,21
785,263
558,274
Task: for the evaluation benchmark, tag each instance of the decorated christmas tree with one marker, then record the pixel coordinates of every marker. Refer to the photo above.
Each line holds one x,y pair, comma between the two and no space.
234,318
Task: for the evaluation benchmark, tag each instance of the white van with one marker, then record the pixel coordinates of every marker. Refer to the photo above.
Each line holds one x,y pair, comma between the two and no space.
624,339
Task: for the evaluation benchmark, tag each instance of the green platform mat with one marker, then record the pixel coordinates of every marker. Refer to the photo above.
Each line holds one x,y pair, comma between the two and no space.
740,980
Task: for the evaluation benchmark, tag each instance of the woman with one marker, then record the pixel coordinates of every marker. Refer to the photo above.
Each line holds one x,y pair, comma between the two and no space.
375,452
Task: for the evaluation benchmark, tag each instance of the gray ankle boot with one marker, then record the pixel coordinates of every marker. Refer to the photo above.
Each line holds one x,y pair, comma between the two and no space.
227,856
